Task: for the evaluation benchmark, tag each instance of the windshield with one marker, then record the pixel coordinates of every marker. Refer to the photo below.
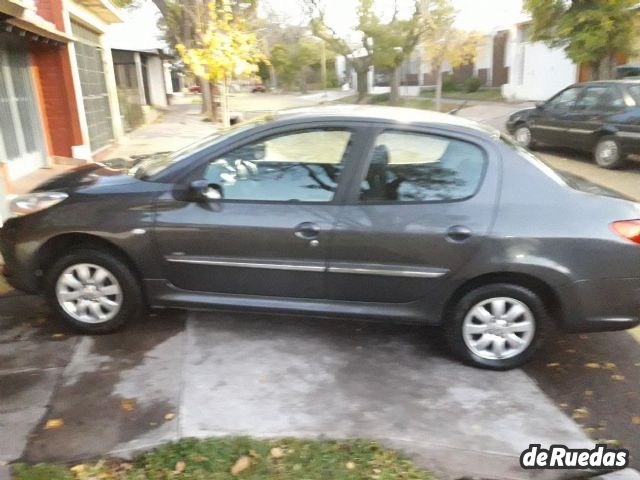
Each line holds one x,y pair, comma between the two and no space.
156,164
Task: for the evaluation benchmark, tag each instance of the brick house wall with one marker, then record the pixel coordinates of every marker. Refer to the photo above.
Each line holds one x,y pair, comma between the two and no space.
52,71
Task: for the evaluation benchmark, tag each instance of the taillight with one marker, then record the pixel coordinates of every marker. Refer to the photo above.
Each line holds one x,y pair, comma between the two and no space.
629,229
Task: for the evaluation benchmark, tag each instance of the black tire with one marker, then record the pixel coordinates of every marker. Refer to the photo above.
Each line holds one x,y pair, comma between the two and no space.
531,144
132,303
453,326
613,161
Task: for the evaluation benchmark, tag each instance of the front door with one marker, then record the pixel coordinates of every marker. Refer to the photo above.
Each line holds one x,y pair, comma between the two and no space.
270,232
420,213
550,125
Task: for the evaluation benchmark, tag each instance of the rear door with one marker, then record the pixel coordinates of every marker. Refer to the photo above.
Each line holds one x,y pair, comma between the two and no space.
417,212
550,126
597,106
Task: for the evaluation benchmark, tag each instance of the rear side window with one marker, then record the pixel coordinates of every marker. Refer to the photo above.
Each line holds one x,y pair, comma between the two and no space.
416,167
600,98
634,90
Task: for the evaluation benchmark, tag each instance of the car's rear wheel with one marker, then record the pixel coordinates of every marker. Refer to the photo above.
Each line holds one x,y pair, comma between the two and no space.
93,290
524,137
608,153
496,326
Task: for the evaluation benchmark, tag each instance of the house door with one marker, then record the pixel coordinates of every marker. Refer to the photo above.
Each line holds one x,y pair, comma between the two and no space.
93,85
22,144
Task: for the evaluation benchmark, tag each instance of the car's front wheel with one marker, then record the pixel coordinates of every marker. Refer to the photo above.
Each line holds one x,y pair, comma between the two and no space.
608,153
496,326
93,290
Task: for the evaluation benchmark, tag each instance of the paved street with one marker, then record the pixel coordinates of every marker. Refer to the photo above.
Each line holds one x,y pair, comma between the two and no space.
198,374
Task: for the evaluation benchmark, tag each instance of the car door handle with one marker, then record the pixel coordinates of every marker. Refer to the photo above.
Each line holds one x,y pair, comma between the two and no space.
459,233
307,231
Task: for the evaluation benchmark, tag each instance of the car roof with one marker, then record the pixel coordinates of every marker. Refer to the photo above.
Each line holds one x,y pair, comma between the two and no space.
376,113
621,81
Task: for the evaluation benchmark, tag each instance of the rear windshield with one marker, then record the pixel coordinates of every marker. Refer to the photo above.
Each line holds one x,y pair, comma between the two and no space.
574,181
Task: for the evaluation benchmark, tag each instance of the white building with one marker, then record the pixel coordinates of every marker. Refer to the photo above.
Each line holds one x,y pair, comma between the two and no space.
536,72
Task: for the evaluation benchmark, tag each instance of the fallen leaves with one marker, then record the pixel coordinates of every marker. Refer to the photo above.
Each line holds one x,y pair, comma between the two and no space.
277,453
53,423
553,365
635,420
350,465
580,413
617,378
592,365
169,416
180,466
128,404
242,464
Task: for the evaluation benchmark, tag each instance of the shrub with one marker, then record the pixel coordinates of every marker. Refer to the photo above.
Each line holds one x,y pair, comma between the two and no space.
473,84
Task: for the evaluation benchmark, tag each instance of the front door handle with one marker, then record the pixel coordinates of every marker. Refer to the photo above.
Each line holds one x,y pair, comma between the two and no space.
459,233
307,231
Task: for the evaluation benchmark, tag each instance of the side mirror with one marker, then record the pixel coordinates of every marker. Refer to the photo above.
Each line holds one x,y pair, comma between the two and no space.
540,105
201,190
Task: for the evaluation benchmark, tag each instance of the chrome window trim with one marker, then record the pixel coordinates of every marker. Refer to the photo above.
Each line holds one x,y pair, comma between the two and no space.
382,270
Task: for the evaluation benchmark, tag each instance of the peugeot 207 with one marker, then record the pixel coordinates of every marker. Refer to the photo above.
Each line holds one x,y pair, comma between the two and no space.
364,212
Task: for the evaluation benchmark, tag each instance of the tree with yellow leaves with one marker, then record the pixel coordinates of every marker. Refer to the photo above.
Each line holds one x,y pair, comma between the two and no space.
222,48
443,43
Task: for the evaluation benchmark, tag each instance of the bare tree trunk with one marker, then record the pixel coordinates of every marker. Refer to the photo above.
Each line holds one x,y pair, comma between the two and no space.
224,104
438,88
273,77
595,71
205,92
323,65
361,77
394,95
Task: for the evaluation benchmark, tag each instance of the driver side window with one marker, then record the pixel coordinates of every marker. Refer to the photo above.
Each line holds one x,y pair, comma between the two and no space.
303,166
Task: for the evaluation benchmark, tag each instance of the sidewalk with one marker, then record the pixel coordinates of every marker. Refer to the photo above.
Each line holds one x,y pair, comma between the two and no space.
176,127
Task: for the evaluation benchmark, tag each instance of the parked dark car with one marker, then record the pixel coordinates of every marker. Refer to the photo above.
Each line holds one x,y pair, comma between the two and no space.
598,117
363,212
258,88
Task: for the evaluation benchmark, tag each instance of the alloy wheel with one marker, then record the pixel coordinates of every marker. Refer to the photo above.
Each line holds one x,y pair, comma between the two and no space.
523,136
498,328
89,293
607,152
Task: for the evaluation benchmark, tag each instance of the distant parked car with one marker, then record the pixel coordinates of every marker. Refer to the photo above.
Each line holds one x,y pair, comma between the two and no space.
599,117
369,212
258,88
194,89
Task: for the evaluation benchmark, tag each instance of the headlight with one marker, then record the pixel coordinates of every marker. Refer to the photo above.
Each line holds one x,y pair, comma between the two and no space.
34,202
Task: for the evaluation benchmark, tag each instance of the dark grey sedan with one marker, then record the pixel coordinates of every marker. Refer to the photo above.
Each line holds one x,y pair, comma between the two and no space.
376,213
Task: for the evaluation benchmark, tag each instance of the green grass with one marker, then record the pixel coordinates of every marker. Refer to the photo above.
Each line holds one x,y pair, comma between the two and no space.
488,95
213,459
411,102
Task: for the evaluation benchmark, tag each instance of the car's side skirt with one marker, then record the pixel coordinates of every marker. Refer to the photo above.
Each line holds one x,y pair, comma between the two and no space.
162,293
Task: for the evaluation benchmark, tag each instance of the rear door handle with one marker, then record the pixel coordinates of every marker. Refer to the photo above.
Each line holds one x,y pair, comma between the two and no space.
307,231
459,233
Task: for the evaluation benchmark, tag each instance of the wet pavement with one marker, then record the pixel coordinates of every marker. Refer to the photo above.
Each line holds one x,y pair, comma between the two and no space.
65,397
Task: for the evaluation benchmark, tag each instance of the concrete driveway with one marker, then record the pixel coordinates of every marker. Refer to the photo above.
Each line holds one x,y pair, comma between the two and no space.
65,397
